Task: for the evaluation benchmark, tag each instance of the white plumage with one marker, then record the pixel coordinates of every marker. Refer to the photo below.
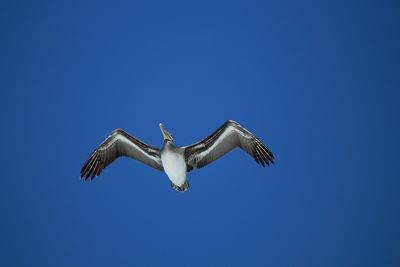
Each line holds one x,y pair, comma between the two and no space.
174,166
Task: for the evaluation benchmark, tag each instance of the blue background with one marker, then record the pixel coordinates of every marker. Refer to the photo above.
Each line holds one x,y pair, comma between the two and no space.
317,82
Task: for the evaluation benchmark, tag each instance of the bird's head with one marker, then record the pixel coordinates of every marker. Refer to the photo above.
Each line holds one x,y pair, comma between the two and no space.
166,135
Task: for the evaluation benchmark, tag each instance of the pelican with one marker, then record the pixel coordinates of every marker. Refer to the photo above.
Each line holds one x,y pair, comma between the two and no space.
175,161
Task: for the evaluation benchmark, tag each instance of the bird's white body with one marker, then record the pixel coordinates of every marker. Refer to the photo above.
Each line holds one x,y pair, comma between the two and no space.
174,166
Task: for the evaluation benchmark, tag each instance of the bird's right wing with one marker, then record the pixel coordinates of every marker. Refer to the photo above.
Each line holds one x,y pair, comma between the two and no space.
117,144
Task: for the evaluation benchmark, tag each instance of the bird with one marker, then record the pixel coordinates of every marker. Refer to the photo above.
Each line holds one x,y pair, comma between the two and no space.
175,161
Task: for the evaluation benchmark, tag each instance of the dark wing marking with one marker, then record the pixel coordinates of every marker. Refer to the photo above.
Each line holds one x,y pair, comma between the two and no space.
117,144
227,137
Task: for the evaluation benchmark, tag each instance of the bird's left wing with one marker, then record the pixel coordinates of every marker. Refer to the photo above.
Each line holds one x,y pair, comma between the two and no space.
227,137
120,143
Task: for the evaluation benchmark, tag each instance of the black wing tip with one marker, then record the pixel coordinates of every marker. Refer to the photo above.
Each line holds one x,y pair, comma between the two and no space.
270,155
262,154
92,167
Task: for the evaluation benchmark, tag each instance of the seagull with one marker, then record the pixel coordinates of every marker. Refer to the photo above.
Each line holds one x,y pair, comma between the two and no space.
175,161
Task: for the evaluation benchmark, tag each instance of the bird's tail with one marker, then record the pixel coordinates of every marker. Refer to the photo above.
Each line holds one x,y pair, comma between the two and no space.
181,188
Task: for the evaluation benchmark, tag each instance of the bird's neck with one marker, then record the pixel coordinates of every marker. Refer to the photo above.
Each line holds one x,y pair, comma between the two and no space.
168,144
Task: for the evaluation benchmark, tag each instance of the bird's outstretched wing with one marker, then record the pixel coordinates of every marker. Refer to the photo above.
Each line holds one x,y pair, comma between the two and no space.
117,144
227,137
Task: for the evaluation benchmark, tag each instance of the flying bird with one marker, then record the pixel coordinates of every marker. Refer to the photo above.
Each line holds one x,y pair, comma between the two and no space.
175,161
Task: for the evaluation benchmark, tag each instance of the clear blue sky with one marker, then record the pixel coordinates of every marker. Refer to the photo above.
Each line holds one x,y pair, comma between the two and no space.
317,82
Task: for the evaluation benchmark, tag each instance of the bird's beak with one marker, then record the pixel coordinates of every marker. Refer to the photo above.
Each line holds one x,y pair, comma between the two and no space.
166,135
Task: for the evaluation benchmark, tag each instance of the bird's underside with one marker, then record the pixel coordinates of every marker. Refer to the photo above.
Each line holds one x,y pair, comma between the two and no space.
176,161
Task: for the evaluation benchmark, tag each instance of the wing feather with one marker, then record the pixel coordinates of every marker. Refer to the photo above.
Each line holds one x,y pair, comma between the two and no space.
226,138
119,143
